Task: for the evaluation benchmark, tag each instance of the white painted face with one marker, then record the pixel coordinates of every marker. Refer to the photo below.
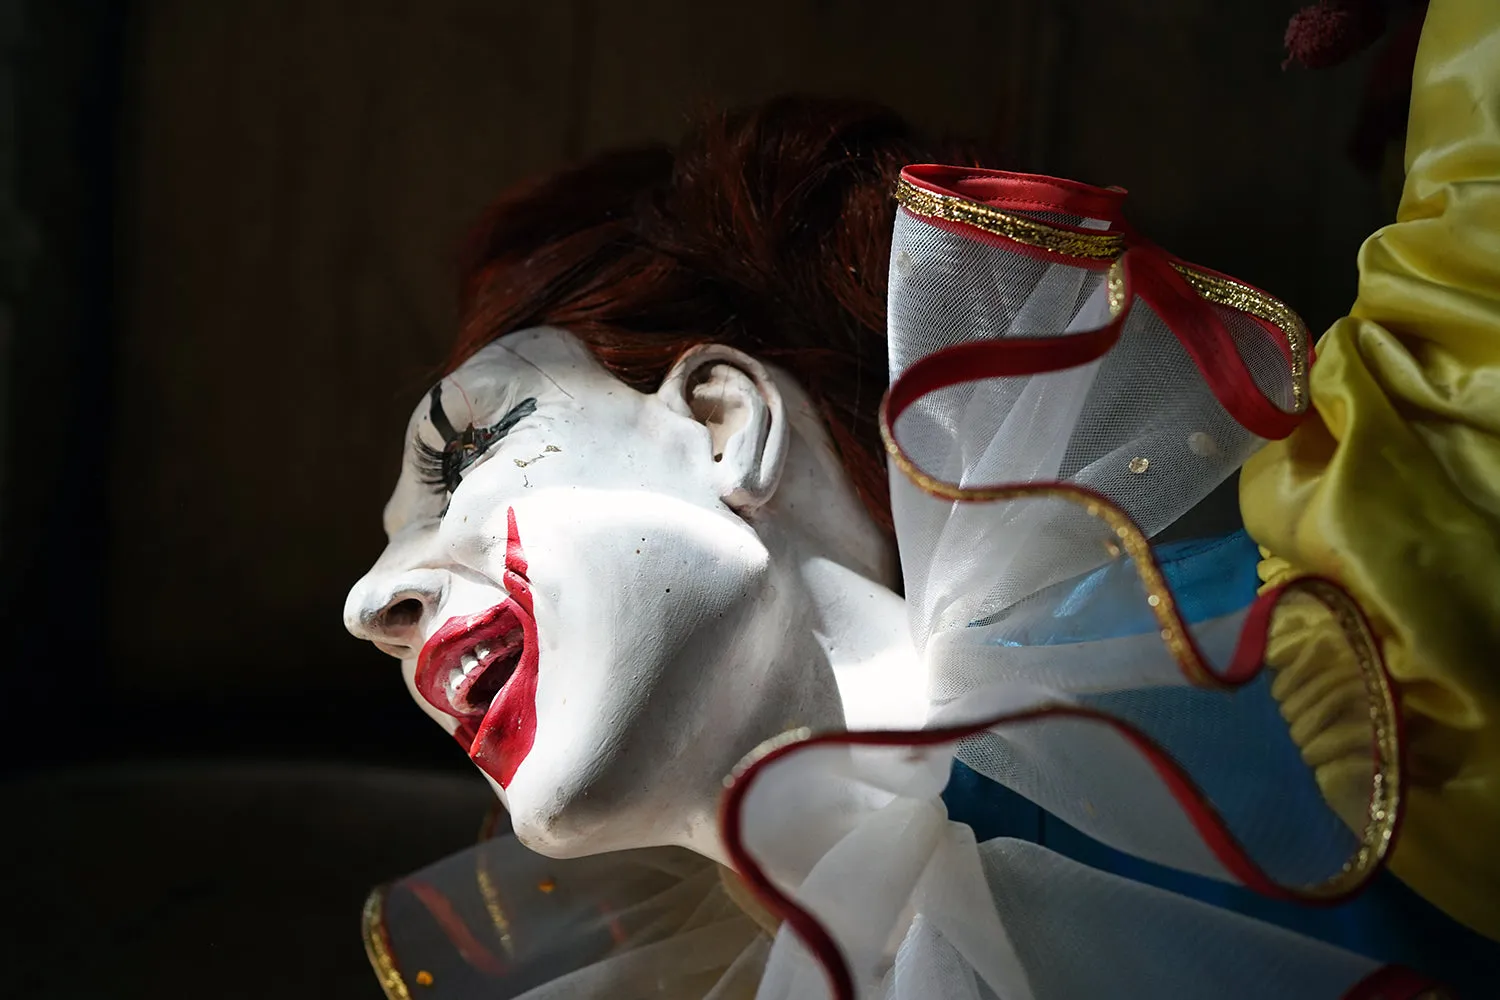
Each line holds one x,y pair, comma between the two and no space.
576,590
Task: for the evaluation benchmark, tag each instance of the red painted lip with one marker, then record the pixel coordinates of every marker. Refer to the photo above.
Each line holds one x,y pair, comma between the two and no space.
503,644
491,641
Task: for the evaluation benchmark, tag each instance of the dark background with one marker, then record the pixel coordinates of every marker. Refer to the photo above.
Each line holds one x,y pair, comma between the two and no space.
226,230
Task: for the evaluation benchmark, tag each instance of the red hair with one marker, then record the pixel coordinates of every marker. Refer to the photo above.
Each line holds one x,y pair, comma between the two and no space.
768,230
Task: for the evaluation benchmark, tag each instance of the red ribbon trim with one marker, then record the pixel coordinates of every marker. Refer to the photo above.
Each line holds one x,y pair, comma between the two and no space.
1190,318
469,947
1204,337
1005,189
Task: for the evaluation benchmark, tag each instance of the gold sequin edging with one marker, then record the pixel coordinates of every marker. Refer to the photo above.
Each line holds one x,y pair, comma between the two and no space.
1386,783
378,948
1109,246
1115,289
491,896
1232,294
1012,226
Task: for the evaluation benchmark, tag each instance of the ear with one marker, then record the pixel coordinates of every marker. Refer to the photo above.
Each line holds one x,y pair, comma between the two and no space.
735,399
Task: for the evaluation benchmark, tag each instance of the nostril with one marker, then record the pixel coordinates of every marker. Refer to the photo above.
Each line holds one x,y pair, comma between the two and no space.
392,603
402,615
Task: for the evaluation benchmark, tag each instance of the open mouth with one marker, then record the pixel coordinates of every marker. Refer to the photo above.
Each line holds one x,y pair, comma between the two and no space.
482,671
467,663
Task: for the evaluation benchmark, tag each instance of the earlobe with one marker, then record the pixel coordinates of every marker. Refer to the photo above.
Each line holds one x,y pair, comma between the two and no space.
737,402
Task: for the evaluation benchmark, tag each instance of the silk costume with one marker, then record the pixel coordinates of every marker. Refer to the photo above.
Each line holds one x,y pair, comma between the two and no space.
1392,487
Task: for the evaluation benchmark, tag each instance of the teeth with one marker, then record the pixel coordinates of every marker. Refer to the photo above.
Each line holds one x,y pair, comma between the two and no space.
483,652
469,661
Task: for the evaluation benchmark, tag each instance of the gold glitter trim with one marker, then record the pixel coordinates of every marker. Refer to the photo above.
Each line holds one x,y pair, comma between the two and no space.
1115,289
774,743
1106,245
1030,232
1385,792
378,948
1232,294
491,896
1386,783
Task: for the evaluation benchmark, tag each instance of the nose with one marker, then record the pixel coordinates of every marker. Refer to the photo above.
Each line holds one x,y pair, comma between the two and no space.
393,609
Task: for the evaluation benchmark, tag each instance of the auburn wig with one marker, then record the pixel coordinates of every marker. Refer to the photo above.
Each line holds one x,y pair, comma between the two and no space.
767,229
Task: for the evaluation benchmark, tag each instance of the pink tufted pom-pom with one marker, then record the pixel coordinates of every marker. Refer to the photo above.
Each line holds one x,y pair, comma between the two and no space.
1332,31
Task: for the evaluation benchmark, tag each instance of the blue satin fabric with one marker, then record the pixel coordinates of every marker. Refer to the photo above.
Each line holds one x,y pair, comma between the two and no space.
1212,578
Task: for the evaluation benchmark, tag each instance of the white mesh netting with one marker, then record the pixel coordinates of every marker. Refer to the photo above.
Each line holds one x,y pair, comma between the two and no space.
1045,628
914,908
498,921
1028,589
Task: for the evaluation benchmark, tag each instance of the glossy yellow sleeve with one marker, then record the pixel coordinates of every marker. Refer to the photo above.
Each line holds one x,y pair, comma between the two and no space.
1393,486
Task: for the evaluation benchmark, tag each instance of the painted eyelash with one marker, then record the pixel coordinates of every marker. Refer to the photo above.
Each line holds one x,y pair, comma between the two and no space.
433,467
442,469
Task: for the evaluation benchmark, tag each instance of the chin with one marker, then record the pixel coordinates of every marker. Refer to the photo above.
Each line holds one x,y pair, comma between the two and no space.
557,833
547,842
549,818
572,819
540,830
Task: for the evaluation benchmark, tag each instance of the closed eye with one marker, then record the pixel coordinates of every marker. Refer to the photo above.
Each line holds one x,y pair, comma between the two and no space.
442,468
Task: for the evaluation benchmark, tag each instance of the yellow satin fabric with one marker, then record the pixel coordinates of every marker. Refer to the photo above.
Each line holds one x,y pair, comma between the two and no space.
1393,487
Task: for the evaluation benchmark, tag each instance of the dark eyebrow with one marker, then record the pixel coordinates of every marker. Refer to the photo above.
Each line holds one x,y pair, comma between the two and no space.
439,416
483,437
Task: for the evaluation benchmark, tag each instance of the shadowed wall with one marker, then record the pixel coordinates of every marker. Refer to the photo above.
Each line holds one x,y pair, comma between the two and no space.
298,173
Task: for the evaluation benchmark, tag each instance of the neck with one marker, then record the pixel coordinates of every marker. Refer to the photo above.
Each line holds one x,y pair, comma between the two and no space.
861,627
849,664
846,657
847,661
846,568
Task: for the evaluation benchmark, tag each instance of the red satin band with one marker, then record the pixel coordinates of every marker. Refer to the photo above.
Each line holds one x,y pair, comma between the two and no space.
1156,281
1150,275
455,930
1278,335
1004,189
1010,357
1202,334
